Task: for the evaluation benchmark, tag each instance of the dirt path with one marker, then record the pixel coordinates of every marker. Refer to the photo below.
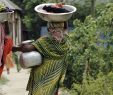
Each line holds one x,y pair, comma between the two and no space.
16,84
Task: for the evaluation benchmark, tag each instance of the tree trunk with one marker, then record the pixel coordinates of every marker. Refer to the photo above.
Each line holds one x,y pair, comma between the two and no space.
93,2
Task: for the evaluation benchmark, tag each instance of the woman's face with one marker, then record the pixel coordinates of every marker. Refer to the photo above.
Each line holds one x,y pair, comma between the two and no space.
57,33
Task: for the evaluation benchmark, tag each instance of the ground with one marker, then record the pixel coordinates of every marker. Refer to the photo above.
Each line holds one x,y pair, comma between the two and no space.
16,84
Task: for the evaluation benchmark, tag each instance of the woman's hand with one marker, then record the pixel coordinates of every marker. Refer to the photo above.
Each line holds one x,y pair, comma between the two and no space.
24,48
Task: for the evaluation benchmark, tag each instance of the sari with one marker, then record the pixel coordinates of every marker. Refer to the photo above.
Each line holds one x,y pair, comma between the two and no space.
7,48
46,78
7,54
9,63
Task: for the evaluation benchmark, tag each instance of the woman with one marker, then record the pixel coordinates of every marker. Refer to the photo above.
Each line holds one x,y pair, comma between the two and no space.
7,53
7,48
45,79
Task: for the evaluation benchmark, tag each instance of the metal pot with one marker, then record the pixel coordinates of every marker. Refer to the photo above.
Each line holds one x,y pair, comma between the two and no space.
30,59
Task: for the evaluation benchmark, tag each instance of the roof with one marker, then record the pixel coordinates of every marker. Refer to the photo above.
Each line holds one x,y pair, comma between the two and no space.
11,5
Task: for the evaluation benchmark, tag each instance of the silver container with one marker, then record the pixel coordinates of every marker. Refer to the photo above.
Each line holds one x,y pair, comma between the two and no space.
55,17
30,59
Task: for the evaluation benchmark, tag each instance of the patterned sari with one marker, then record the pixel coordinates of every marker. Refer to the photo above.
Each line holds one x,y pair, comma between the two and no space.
45,79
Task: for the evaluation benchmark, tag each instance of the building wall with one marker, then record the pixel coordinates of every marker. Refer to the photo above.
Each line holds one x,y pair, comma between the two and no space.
14,21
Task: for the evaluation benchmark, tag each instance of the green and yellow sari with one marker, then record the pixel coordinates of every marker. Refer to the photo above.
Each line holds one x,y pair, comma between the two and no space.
45,79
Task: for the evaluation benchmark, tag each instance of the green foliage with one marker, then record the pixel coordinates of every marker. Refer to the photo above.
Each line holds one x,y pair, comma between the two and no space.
82,11
2,7
91,53
83,48
103,85
30,19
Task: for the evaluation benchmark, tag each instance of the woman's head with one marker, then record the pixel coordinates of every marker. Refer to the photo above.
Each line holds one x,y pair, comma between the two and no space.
57,30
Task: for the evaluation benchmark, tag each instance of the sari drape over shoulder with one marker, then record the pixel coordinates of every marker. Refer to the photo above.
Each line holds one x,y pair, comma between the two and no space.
45,79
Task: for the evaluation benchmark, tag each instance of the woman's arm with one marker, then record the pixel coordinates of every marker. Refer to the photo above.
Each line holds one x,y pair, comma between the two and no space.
24,48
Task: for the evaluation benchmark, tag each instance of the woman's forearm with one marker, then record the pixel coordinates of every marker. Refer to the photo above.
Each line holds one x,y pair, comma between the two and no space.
24,48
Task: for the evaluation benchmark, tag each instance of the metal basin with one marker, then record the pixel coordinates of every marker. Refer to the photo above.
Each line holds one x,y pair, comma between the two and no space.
55,17
30,59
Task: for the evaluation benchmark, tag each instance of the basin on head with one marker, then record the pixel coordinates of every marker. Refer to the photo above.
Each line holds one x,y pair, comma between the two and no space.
55,17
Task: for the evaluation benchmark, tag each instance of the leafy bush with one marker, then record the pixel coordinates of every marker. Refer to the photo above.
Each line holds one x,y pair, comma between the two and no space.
91,53
103,85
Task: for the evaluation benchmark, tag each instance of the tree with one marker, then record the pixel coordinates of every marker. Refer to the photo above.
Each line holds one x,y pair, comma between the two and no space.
91,54
31,21
93,2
